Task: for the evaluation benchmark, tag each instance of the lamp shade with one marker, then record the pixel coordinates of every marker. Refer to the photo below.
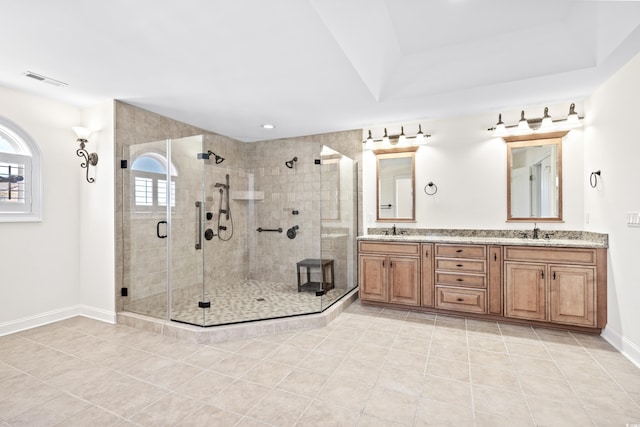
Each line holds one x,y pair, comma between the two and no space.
82,132
573,118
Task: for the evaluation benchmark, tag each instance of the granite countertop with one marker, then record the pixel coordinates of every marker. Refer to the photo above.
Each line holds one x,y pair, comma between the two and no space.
570,239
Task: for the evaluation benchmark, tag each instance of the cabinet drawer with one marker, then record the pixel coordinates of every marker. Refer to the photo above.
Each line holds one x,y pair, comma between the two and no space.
461,251
464,280
390,248
466,265
555,255
471,300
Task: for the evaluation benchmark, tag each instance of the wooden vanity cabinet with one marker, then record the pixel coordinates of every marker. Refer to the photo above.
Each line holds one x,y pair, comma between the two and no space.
543,286
390,272
557,285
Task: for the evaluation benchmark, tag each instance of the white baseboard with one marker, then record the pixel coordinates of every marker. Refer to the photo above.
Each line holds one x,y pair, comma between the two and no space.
629,349
41,319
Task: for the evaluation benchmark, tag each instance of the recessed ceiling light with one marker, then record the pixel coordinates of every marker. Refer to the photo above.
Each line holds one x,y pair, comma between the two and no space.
268,126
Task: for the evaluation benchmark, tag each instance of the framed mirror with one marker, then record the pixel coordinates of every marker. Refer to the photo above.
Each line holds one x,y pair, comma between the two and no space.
395,184
534,177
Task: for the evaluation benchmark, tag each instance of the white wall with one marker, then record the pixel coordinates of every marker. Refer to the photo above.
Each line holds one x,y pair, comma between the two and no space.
97,251
39,272
63,265
469,167
612,146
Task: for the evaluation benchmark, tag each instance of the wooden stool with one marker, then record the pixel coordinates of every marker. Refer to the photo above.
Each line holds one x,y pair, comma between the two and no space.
326,265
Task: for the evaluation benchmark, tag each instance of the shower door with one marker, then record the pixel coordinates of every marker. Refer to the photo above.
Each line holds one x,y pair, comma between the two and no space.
163,208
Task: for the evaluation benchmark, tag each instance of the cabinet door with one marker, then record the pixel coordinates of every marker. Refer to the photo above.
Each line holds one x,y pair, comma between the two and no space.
427,274
525,291
373,283
572,296
404,280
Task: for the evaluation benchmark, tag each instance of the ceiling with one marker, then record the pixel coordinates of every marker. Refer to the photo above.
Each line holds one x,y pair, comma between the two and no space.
315,66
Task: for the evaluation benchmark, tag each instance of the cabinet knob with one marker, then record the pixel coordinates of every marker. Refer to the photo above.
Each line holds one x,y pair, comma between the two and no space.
459,250
459,299
460,280
459,265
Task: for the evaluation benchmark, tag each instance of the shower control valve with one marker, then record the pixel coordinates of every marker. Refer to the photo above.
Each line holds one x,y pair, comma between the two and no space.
209,234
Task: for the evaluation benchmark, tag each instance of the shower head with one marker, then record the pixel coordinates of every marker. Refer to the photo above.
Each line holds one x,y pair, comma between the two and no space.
218,159
290,163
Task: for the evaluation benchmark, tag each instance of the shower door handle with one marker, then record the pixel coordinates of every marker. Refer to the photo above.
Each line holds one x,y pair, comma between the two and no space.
199,239
161,236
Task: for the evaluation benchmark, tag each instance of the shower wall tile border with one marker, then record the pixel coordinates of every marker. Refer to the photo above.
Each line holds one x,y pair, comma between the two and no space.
216,334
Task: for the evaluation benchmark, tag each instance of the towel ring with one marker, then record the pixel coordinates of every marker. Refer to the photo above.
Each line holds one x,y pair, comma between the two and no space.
432,189
593,179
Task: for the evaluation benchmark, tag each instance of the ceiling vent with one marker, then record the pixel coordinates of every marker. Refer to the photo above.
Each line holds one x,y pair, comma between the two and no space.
44,79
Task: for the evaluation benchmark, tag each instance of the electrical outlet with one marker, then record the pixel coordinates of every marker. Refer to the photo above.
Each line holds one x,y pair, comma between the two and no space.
633,219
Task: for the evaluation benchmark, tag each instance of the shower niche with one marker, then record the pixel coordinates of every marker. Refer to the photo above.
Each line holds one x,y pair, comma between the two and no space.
191,210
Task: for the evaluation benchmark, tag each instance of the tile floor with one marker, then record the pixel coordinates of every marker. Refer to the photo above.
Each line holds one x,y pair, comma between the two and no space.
369,367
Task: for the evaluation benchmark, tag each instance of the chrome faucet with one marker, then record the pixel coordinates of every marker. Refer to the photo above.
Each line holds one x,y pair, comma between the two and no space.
393,230
536,230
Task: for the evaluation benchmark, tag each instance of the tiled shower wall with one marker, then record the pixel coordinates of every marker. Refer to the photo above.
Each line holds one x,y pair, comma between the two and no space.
264,193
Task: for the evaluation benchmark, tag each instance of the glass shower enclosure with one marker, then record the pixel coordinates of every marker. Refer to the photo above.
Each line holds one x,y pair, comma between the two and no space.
211,240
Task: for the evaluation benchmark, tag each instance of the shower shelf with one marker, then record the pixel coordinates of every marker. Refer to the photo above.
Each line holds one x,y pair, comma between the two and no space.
247,195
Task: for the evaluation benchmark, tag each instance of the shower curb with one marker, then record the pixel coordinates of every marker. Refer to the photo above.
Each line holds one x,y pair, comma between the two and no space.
216,334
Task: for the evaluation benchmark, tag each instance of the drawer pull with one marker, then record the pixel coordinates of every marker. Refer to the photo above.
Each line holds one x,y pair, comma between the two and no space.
459,299
459,265
459,250
495,257
460,280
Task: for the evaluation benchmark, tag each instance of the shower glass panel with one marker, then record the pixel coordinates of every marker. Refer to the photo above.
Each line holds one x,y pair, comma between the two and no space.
338,191
274,226
186,236
162,202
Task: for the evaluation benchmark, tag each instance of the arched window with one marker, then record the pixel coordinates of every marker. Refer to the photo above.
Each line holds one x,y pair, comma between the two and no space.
149,172
19,175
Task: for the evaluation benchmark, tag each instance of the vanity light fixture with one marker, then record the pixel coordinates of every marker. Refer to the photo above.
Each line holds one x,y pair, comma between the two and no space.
543,124
573,117
500,128
89,158
523,124
369,138
385,138
401,138
547,121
